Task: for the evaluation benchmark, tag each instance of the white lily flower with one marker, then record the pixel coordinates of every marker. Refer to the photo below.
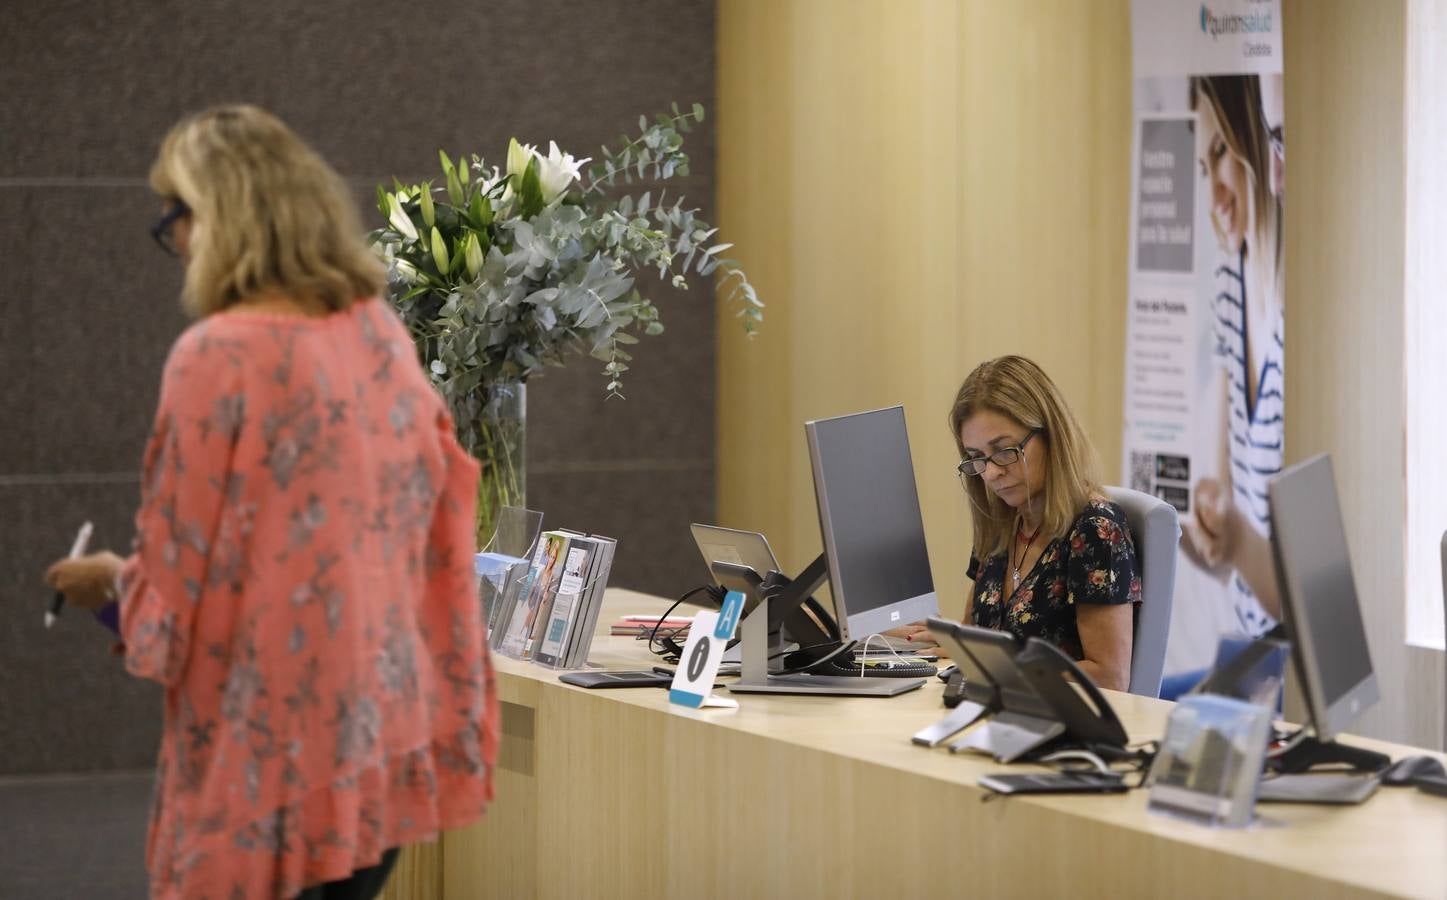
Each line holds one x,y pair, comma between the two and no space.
408,271
399,220
557,171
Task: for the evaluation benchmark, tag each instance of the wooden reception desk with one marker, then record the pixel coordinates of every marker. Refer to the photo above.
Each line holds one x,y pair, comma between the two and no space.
616,793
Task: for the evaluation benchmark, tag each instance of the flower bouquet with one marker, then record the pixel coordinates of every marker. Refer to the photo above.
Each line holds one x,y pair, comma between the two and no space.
500,272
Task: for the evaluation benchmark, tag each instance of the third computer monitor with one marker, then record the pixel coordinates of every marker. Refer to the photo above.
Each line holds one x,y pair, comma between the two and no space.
869,517
1319,596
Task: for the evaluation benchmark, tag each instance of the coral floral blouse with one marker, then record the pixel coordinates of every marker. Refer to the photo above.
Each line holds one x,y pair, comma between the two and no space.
302,586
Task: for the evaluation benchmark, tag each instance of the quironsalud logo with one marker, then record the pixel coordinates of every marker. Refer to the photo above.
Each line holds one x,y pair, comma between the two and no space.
1234,23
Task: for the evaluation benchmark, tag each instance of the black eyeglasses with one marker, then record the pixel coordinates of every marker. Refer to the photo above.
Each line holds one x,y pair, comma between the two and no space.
161,230
1005,456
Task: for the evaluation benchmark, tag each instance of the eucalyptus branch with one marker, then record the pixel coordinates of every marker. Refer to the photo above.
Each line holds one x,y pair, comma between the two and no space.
678,121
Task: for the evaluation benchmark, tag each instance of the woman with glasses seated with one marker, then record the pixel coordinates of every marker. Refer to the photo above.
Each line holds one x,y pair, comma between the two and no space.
302,579
1052,558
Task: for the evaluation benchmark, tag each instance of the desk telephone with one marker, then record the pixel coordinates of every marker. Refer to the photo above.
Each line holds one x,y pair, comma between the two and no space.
1027,692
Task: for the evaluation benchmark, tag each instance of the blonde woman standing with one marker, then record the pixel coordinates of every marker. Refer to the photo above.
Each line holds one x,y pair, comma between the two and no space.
302,581
1052,558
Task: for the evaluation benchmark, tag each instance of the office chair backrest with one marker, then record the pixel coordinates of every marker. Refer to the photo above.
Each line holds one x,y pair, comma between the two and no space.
1157,533
1444,618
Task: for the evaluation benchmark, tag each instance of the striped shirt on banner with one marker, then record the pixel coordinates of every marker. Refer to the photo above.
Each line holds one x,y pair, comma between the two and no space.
1255,429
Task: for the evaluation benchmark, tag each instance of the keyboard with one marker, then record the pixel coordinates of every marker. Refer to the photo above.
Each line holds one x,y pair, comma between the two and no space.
1317,788
879,667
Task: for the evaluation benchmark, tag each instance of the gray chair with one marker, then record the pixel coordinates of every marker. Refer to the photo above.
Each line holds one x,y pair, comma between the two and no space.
1157,532
1444,618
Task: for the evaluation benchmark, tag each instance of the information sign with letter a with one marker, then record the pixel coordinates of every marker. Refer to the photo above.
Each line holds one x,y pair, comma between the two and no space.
698,666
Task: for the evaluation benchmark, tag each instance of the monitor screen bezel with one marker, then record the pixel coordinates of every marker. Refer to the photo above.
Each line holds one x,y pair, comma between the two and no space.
1327,719
855,626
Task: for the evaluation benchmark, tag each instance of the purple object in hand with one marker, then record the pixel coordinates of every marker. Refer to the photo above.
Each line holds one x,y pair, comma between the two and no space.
110,616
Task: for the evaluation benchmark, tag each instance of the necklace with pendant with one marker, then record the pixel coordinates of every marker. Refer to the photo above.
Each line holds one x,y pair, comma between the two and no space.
1017,563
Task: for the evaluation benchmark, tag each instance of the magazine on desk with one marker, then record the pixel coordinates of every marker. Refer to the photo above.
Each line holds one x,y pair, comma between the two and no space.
552,643
580,637
549,614
542,585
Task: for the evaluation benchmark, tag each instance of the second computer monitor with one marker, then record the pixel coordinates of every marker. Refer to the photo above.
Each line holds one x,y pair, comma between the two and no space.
869,518
1319,596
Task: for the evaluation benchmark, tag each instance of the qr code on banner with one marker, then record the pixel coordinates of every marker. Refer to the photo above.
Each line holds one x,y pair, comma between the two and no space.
1142,470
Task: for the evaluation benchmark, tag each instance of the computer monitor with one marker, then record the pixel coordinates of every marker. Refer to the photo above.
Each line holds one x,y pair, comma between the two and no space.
1319,597
869,518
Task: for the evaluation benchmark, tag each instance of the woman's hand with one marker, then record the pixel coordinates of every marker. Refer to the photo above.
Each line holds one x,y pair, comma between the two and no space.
1211,529
917,633
86,581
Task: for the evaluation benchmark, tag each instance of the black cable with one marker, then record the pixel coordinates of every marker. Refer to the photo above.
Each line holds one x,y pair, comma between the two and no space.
818,663
803,649
652,635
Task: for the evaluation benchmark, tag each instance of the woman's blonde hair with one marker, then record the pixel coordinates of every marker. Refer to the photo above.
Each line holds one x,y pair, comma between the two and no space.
1017,388
267,213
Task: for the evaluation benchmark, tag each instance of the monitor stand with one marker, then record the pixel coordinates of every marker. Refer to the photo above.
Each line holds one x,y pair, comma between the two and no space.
760,644
1311,753
1330,784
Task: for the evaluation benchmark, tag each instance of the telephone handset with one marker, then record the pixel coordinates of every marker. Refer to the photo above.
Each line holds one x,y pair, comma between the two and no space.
1051,672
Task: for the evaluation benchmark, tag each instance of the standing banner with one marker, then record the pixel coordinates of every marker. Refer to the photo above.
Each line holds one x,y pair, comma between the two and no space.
1204,346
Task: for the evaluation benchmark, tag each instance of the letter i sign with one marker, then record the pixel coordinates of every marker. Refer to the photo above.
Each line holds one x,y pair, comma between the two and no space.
698,667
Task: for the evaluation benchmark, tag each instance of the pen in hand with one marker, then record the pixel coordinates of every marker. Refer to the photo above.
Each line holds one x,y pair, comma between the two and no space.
82,540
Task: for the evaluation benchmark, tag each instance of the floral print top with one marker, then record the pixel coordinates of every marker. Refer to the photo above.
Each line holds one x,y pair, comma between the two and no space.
1094,562
302,585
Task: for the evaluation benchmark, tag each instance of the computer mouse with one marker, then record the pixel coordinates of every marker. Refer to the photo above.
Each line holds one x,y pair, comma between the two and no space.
1409,768
945,673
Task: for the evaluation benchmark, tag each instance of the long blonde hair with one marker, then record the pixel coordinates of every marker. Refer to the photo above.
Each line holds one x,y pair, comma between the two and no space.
1017,388
267,214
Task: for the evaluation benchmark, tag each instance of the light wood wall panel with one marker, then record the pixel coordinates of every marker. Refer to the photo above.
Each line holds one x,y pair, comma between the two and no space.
918,187
1345,239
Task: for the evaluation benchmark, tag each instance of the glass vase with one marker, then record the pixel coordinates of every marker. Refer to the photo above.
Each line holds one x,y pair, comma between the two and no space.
501,449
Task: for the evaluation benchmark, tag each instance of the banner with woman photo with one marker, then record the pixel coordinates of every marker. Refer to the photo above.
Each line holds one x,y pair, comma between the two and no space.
1205,350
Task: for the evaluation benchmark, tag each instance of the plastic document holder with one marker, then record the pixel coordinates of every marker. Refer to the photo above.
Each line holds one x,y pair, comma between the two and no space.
1210,762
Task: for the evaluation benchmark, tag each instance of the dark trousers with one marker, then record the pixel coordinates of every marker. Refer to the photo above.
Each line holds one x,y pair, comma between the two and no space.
365,884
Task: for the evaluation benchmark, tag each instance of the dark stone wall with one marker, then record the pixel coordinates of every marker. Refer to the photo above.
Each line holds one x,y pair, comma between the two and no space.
88,303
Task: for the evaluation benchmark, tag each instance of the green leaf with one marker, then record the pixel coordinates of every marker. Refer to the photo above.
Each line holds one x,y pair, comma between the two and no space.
530,191
480,212
382,200
698,111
